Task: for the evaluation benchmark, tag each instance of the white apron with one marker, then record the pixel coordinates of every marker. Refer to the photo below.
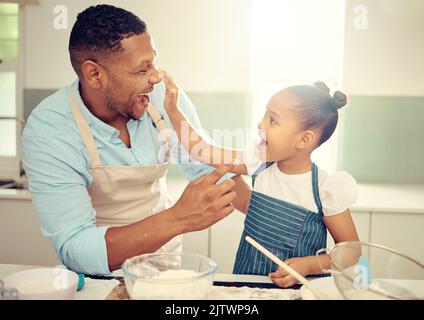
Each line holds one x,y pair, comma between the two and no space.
124,194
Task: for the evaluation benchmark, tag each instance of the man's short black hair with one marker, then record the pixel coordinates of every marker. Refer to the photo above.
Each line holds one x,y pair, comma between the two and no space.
99,30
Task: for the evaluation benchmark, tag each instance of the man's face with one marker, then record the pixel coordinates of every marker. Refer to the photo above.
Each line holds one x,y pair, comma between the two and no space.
132,74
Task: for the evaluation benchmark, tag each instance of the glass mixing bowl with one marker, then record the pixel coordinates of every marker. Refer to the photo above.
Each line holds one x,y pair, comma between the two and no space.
169,276
364,271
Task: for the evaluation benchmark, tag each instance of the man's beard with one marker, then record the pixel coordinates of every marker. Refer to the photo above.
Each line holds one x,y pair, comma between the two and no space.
122,109
130,109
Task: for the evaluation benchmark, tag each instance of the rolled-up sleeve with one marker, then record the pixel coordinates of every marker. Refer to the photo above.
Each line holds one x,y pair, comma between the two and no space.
58,180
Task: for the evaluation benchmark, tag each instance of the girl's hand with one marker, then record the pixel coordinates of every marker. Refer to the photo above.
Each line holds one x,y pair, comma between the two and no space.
171,93
283,279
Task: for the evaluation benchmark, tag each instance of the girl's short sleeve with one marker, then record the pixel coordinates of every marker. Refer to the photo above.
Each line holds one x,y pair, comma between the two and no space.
338,193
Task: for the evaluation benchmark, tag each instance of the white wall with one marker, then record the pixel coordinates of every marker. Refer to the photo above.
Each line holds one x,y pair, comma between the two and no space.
387,57
204,44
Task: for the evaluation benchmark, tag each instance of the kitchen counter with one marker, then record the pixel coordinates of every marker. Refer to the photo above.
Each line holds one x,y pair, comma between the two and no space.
390,198
225,292
372,197
6,269
14,194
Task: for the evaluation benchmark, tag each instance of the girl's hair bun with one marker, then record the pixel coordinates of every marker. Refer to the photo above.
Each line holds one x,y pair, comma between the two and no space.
321,85
339,99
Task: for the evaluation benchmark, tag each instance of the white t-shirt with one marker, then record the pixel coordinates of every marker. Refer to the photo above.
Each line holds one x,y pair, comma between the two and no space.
337,191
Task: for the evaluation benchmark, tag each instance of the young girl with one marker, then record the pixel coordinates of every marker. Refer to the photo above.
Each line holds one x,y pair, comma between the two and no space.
293,203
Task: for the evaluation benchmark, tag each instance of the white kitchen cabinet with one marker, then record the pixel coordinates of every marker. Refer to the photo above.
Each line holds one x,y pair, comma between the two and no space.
403,232
21,240
224,241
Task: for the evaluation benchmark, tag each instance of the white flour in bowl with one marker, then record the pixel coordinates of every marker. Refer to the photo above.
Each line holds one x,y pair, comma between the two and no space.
174,289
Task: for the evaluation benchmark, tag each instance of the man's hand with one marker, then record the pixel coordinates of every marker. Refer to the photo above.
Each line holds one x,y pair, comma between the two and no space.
203,202
283,279
171,93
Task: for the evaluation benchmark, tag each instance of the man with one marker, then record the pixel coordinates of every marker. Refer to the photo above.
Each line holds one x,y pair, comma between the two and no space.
96,155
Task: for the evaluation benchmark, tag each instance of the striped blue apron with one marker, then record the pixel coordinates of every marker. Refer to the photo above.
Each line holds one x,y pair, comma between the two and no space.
285,229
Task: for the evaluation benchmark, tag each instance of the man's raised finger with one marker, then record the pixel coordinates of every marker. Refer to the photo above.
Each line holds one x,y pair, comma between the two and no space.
222,188
219,172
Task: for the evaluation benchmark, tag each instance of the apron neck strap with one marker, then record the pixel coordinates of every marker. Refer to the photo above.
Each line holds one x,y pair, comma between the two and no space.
315,189
263,166
159,123
84,130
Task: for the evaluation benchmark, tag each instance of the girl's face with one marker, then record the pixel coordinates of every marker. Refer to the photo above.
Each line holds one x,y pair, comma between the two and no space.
280,130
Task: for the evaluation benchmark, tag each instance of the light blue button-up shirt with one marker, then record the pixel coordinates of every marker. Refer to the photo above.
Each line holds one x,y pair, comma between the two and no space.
57,164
